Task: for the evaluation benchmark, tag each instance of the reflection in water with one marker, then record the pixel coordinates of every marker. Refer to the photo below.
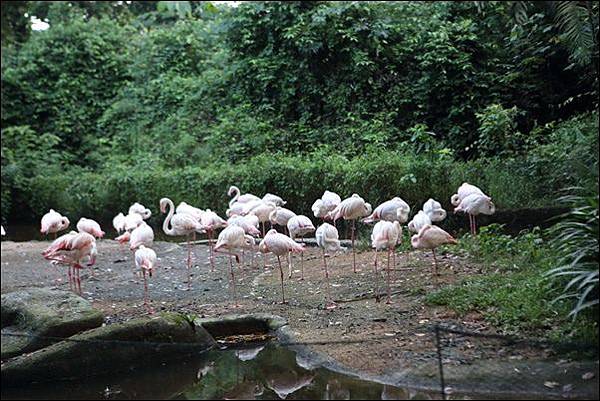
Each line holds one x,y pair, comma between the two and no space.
266,372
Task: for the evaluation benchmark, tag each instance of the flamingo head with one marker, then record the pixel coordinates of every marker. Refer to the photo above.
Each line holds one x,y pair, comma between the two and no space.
64,223
163,205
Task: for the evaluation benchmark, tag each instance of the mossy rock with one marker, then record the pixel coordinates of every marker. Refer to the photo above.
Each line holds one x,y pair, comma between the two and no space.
42,313
109,349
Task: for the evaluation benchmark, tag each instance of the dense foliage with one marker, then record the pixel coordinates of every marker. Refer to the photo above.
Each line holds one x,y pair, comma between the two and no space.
130,101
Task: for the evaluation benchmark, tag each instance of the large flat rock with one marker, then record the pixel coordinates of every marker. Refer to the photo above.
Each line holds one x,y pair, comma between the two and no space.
37,317
112,348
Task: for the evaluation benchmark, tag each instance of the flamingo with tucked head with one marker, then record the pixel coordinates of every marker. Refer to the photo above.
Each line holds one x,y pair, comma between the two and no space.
434,210
70,249
430,237
211,222
323,206
230,240
145,260
141,210
385,235
351,208
90,226
299,226
327,237
119,223
279,245
53,222
474,205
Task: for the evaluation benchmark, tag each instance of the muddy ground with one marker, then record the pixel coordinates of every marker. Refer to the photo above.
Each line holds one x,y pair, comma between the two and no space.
372,337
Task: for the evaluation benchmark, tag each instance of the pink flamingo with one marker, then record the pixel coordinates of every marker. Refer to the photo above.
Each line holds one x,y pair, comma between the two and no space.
299,226
274,199
233,238
327,237
181,224
463,192
385,235
238,198
211,222
474,205
351,208
145,259
119,223
280,216
279,245
394,209
141,210
322,207
90,226
70,249
418,221
434,210
430,237
53,222
132,221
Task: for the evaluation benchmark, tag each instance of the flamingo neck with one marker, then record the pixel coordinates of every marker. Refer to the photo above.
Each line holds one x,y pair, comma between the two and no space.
166,229
236,195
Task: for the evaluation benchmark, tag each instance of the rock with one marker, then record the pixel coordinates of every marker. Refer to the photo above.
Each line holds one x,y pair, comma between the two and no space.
109,349
43,312
241,324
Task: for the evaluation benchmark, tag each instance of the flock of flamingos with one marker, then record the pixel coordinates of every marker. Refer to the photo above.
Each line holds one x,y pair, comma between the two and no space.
241,230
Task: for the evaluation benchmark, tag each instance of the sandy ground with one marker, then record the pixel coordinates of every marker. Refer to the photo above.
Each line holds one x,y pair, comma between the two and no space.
373,337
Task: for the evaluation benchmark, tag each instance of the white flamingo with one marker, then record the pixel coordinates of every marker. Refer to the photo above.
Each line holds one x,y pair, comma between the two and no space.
394,209
299,226
90,226
327,237
474,205
145,260
280,216
430,237
141,210
279,245
180,224
53,222
238,197
328,201
351,208
434,210
273,198
119,223
211,222
385,235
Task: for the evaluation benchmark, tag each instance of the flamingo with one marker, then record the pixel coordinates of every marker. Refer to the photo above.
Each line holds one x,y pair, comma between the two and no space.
299,226
141,210
328,201
273,198
181,224
351,208
132,221
53,222
262,210
119,223
71,249
185,208
249,223
279,245
385,235
145,259
474,205
233,238
434,210
280,216
238,198
211,222
327,237
464,190
90,226
394,209
143,235
430,237
419,220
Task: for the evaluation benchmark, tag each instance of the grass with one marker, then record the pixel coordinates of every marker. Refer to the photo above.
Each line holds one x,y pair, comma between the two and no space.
512,294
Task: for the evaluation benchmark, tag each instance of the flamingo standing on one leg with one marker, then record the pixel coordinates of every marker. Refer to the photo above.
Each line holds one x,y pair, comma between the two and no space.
53,222
233,238
71,249
299,226
145,259
262,210
181,224
327,237
430,237
474,205
250,225
351,208
211,222
280,245
385,235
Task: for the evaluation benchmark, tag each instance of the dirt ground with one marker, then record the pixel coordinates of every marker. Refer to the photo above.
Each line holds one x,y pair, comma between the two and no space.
372,337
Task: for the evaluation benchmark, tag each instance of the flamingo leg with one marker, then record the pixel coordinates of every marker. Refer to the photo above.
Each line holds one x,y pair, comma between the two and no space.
376,289
289,260
330,304
302,265
389,295
210,247
435,266
474,225
70,279
77,269
353,250
235,304
281,276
